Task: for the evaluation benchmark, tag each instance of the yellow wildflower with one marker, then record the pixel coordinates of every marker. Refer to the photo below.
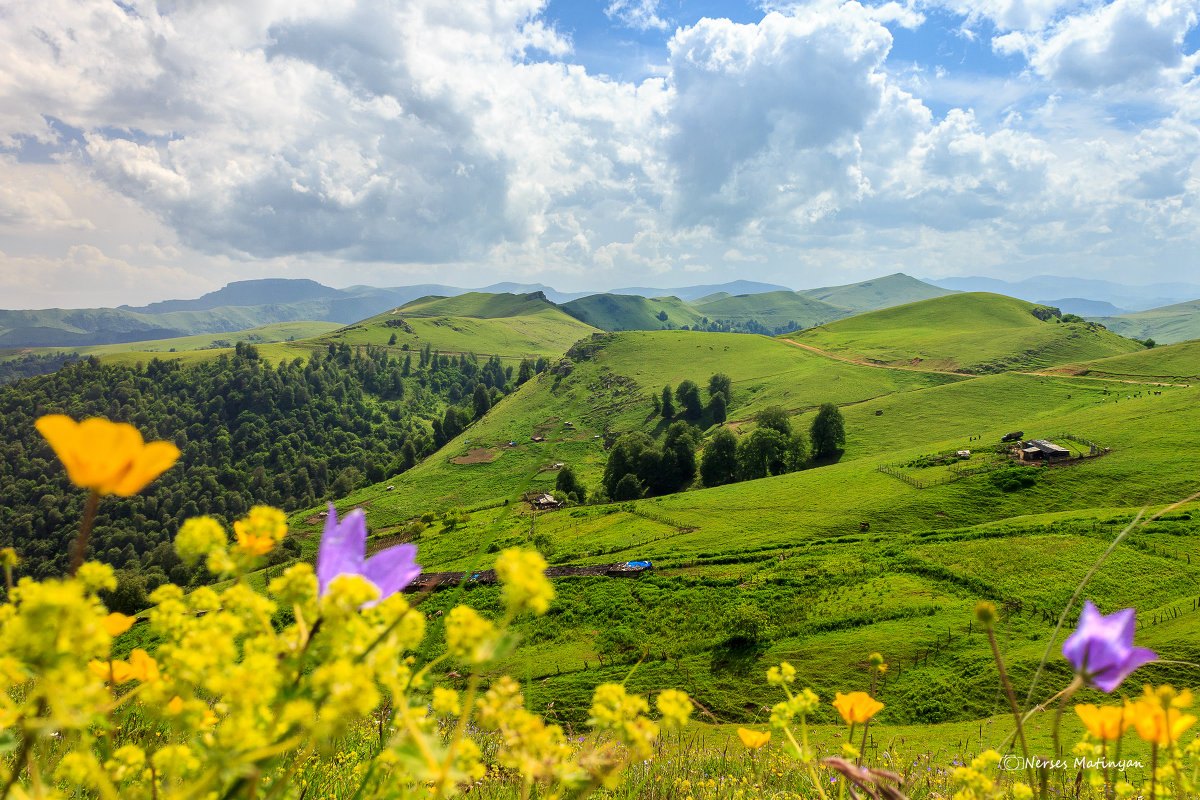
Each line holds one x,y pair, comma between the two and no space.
753,739
445,702
116,624
106,457
523,574
198,537
1107,722
469,637
675,707
784,673
856,706
1158,724
261,529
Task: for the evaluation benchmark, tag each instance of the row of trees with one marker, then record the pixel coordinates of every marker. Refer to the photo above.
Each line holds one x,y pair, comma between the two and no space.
686,397
638,466
773,448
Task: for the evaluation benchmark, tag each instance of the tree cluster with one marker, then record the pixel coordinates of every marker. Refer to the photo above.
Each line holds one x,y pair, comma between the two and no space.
288,435
638,466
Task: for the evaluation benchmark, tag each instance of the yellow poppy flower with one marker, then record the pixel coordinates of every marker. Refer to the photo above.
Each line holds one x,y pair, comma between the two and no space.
175,706
115,672
142,667
106,457
1159,725
856,706
753,739
1107,722
116,624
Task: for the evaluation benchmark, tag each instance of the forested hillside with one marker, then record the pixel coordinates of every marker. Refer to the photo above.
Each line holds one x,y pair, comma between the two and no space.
289,435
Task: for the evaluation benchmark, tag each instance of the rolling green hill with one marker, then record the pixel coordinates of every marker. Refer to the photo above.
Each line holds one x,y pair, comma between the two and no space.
483,305
534,329
872,295
625,312
970,333
1165,325
166,348
831,563
1172,363
770,309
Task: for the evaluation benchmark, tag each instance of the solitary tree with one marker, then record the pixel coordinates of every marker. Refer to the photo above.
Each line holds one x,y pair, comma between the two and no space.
668,403
828,430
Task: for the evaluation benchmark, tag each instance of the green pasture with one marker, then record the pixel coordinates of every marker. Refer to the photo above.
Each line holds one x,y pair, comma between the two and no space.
975,332
1165,325
1175,363
829,564
187,348
542,332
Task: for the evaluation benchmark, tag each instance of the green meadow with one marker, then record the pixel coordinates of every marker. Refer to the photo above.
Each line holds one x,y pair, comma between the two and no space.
185,348
973,333
822,567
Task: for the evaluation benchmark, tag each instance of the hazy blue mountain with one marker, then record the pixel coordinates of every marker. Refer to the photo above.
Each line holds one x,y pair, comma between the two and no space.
689,293
877,293
1085,308
1037,289
244,293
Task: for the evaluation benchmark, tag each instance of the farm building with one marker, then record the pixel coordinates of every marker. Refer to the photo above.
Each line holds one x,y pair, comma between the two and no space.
544,501
1043,450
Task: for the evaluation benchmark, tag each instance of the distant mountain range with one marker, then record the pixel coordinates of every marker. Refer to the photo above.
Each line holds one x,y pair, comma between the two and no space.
738,305
245,304
1122,297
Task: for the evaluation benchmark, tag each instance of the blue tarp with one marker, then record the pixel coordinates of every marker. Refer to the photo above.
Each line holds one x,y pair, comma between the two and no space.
639,564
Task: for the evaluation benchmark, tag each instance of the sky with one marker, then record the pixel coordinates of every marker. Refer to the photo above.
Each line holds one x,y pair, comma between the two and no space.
154,149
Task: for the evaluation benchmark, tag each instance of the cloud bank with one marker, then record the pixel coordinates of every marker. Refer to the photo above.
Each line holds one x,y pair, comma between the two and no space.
427,140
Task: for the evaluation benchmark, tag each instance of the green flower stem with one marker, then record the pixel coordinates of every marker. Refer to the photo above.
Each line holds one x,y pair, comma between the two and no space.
85,530
1153,767
1012,700
1074,686
867,725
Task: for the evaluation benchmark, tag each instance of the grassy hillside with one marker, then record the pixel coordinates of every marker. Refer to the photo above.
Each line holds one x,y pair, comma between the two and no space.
1175,363
1164,325
483,305
872,295
538,329
771,309
175,347
973,333
790,557
623,312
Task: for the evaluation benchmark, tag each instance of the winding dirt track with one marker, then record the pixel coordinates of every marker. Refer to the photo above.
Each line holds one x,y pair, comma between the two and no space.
861,363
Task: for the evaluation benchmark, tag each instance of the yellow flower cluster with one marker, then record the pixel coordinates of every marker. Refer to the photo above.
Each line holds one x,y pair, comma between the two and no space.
523,575
623,714
262,529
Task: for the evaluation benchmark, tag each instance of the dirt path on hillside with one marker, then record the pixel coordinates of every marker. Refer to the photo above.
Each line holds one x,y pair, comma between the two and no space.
1109,380
828,354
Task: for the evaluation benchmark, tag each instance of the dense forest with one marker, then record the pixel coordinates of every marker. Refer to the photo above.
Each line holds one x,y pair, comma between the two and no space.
30,364
288,435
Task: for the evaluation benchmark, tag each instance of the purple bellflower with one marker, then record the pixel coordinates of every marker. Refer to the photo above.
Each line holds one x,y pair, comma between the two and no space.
1101,648
343,552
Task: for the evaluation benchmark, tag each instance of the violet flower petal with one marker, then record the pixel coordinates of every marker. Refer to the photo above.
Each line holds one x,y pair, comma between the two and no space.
392,569
342,547
1101,648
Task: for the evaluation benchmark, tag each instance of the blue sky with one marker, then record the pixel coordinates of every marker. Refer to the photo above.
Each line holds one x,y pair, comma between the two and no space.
155,149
